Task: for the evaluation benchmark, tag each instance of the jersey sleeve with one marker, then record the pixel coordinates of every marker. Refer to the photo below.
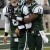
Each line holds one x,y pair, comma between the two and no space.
38,10
7,23
25,10
4,12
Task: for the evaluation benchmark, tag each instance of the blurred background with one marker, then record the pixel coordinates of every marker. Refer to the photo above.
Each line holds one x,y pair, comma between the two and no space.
46,23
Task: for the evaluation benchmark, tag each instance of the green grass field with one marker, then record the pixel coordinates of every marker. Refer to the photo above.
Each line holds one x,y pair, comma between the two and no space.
1,32
46,48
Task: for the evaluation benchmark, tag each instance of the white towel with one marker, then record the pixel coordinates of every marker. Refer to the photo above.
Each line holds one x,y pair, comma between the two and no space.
44,37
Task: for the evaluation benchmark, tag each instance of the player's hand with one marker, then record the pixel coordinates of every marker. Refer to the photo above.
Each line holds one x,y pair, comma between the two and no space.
5,39
17,31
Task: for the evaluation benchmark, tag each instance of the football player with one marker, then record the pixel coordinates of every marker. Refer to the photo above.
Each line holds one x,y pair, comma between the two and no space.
14,21
34,39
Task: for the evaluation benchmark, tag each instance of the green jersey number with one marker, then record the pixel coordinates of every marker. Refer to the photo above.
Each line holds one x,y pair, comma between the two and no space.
15,23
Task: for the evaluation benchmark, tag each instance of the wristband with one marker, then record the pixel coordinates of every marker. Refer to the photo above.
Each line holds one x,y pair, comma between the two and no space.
6,34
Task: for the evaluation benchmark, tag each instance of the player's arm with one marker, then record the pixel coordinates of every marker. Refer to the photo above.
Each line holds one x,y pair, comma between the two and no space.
35,12
25,12
7,23
22,27
26,16
7,26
